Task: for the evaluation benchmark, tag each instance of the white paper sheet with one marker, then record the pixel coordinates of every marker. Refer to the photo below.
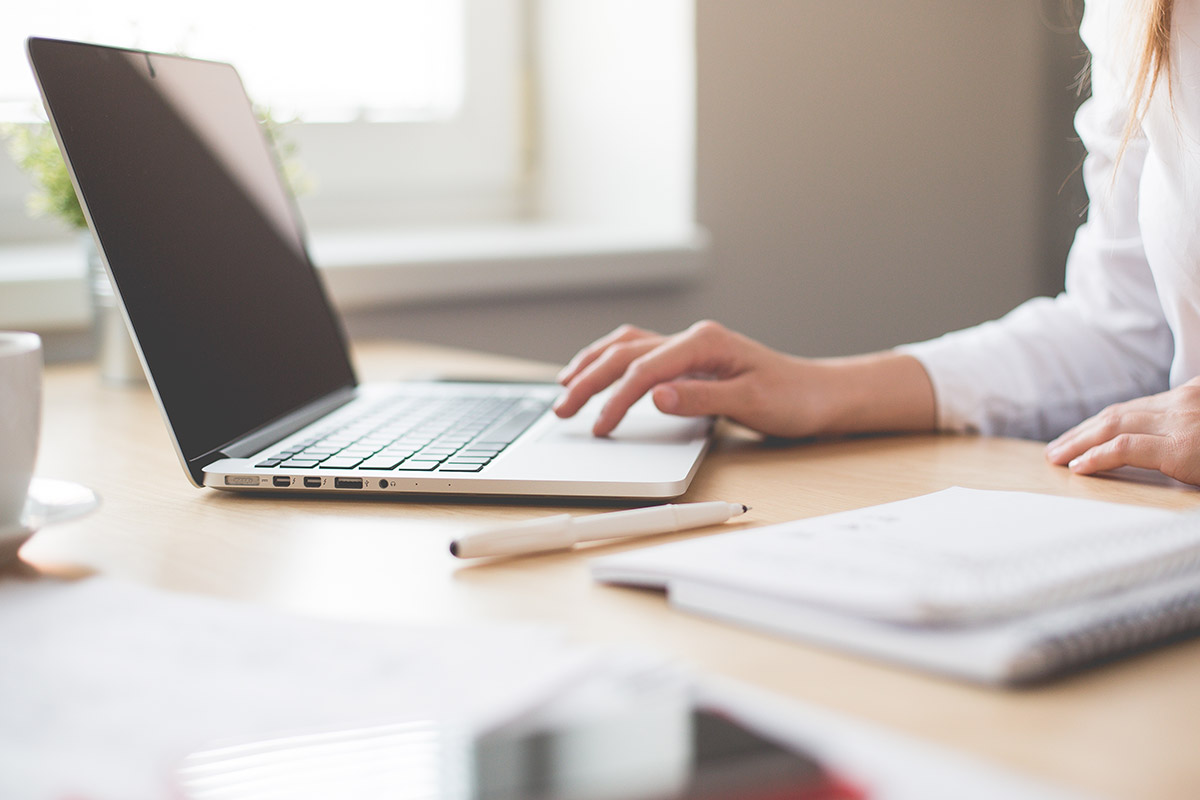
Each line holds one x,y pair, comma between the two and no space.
958,555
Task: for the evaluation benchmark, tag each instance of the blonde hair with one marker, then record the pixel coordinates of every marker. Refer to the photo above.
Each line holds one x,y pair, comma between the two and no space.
1153,62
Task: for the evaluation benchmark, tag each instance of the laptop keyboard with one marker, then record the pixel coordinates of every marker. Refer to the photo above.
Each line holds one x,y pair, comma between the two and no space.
424,433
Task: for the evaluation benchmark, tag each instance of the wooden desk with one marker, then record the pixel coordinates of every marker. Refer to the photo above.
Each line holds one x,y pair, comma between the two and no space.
1130,729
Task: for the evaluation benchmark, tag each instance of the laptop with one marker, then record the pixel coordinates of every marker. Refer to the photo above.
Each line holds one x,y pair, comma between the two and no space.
245,353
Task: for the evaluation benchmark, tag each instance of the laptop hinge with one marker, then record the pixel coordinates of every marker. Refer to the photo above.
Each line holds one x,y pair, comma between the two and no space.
274,431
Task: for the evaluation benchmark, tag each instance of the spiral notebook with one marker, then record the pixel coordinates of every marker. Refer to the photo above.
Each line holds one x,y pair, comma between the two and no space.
998,587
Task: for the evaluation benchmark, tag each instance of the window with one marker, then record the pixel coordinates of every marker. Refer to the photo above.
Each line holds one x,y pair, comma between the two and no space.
407,64
553,150
400,120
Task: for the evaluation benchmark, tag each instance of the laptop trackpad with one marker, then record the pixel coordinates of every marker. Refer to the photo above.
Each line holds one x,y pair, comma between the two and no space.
648,447
643,424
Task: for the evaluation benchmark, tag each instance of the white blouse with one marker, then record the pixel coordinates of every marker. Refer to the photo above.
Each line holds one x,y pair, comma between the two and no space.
1128,324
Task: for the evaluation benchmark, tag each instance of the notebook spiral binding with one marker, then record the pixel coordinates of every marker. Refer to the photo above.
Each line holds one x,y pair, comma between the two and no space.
1155,622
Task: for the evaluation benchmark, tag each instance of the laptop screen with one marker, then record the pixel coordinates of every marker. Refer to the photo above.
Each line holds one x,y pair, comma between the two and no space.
201,236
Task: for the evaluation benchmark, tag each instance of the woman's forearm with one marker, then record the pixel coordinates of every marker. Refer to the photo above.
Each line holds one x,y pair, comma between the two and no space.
877,392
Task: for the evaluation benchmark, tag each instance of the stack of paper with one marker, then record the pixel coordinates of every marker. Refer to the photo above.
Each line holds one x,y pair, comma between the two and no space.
991,586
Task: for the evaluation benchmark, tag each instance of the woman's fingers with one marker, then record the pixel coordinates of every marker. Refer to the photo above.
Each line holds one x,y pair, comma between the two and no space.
633,362
602,370
697,398
705,348
1159,432
585,357
1103,427
1147,451
705,370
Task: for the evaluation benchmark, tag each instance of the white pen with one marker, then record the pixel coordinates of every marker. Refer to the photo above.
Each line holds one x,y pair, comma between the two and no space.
564,531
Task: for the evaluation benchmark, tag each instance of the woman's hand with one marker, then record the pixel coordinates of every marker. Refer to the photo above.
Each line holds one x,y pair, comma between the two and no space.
1159,432
708,369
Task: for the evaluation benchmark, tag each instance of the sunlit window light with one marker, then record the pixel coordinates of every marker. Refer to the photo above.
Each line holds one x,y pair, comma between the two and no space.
395,61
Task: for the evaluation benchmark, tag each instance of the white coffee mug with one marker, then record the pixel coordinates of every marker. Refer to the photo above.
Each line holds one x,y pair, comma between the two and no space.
20,420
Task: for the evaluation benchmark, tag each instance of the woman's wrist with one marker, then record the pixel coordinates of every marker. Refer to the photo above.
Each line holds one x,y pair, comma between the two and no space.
874,393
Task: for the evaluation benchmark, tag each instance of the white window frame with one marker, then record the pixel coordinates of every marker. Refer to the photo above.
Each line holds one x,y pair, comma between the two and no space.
467,169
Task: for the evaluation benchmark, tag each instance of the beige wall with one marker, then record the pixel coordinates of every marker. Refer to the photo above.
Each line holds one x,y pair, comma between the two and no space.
871,171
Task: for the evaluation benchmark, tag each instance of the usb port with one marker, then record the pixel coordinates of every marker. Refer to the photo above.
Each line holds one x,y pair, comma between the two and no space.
347,483
312,483
281,480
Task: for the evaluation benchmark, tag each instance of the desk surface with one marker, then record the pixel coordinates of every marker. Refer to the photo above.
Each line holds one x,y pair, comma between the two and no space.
1128,729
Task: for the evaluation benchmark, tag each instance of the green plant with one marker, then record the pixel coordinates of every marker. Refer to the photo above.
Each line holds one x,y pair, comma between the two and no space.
297,179
35,150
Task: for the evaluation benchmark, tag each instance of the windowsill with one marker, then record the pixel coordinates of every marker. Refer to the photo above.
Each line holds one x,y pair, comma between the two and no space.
42,286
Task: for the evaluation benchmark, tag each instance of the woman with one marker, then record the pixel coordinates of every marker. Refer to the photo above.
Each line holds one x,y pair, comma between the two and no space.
1109,367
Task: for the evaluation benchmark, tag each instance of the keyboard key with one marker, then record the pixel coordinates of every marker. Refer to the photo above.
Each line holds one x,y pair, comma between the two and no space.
513,427
270,462
489,452
381,462
460,466
451,441
341,462
437,453
300,463
399,453
420,465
